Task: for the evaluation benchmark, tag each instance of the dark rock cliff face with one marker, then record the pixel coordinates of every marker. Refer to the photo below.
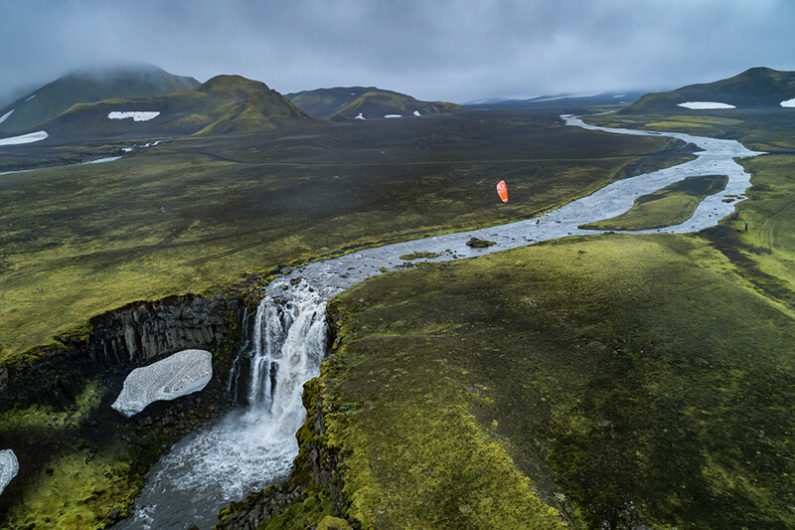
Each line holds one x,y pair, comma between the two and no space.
120,340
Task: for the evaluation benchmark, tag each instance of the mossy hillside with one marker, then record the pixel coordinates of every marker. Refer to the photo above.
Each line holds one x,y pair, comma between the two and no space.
222,105
667,206
140,81
193,215
347,102
636,380
379,104
756,87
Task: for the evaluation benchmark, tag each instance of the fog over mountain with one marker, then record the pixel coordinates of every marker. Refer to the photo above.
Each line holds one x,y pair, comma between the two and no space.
456,50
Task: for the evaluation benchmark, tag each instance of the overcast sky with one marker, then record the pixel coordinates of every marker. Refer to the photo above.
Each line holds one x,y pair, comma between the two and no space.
455,50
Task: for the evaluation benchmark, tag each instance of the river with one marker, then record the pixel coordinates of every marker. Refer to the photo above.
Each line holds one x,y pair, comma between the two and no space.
254,446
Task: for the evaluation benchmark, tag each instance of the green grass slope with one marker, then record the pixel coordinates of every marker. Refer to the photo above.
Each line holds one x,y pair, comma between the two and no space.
755,88
629,381
196,213
223,105
49,101
372,102
766,252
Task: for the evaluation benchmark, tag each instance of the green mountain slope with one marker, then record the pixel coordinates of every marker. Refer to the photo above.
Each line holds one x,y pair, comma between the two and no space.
49,101
347,102
223,105
754,88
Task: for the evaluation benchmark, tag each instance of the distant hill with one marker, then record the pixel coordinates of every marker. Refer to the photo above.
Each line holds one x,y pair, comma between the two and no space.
559,101
755,88
49,101
224,104
343,103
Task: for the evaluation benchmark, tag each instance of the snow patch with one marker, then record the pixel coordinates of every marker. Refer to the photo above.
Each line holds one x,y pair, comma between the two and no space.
25,138
417,113
5,116
178,375
9,467
393,115
31,97
699,105
103,160
787,103
359,117
138,115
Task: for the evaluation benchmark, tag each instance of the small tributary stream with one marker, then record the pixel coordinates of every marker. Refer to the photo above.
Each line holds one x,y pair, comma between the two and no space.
254,446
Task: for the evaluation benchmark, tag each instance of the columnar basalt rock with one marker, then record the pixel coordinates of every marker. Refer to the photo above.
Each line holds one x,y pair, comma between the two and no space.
120,340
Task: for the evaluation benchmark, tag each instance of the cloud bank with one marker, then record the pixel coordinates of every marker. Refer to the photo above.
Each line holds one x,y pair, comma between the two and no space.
455,50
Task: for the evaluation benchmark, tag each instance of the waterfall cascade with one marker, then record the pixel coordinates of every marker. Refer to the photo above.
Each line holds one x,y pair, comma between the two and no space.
254,446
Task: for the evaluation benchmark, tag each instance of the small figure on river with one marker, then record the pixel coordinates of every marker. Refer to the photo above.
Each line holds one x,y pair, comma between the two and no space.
746,226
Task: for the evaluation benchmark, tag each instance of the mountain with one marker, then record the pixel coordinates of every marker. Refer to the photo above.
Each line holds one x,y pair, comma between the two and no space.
49,101
755,88
558,101
224,104
342,103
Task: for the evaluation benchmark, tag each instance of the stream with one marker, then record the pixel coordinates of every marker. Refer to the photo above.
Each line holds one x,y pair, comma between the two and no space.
254,446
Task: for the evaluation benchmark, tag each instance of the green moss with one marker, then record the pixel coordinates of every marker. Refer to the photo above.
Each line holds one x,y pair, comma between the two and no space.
333,523
81,491
309,512
419,255
44,417
587,376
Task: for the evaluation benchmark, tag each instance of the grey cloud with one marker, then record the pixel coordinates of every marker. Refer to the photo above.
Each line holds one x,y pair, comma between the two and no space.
445,49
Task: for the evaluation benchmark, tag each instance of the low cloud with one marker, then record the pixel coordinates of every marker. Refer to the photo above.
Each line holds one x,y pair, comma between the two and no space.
449,49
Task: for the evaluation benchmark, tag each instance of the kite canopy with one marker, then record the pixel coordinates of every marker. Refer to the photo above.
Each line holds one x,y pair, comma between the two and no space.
502,191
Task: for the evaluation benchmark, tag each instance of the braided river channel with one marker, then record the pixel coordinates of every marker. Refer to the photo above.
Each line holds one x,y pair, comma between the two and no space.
254,446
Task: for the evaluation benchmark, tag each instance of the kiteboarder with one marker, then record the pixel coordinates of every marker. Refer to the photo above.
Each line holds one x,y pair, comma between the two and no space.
502,191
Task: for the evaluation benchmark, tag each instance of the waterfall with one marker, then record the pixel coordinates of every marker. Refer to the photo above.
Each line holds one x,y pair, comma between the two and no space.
253,446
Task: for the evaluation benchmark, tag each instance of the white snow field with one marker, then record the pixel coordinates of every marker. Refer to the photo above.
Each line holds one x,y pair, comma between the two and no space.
25,138
699,105
9,467
393,115
138,115
417,113
5,116
180,374
360,117
786,103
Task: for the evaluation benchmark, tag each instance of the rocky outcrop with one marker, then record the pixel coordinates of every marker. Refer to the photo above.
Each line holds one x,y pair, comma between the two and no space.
142,331
260,507
118,341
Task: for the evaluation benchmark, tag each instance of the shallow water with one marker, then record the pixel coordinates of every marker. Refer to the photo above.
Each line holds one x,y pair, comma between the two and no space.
255,446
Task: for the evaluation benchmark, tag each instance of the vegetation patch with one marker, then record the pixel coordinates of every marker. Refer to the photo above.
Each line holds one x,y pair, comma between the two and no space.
668,206
586,378
194,214
425,254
